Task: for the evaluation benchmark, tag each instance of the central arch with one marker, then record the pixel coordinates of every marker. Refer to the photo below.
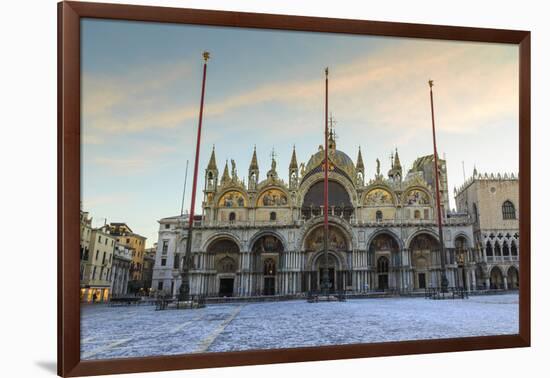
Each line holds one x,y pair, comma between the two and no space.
339,200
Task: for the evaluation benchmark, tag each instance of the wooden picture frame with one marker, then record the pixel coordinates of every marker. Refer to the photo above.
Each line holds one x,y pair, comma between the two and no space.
69,16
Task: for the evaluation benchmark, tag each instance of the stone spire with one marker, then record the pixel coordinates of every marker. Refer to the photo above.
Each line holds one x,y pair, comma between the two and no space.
293,170
212,173
360,164
396,162
253,172
254,161
293,161
225,176
360,169
212,163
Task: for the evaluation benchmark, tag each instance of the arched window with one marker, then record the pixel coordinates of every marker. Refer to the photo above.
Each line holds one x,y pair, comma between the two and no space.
489,249
514,248
379,216
498,252
382,265
475,212
273,216
232,217
508,210
505,249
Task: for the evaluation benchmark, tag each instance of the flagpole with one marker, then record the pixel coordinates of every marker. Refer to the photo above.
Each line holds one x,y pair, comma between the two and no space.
186,266
184,187
444,281
325,278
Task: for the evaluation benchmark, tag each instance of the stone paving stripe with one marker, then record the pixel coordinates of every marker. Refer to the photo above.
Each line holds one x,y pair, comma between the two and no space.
181,326
205,344
105,348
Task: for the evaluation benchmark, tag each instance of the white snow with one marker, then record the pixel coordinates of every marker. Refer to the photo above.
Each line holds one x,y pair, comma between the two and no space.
117,332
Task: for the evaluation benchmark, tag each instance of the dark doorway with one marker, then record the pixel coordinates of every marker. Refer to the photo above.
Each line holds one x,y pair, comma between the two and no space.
382,281
422,280
269,286
226,287
331,279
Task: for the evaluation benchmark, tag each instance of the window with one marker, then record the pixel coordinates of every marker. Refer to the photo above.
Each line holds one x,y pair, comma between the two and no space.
177,262
99,239
96,254
232,217
93,274
163,262
160,285
127,240
417,214
426,214
379,216
164,247
167,226
272,216
489,249
475,212
508,210
104,256
382,264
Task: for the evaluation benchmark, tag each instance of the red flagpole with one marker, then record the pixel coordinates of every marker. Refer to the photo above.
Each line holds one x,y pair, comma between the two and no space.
325,278
186,266
444,281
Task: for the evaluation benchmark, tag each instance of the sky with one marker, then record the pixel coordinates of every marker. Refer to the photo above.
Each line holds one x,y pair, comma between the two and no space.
141,87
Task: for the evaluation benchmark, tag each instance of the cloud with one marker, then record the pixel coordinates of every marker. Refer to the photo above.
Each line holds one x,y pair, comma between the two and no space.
475,83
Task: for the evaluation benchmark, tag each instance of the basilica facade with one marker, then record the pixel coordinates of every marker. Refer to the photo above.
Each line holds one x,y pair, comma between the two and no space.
265,236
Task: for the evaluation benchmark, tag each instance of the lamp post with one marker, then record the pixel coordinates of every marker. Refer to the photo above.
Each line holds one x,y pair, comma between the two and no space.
186,263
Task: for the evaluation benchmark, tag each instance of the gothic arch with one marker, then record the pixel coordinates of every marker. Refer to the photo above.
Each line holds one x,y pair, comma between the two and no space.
220,236
385,231
313,223
257,197
257,236
318,256
425,231
462,234
380,186
226,190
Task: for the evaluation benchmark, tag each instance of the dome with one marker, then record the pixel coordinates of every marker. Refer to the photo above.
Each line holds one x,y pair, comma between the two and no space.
339,158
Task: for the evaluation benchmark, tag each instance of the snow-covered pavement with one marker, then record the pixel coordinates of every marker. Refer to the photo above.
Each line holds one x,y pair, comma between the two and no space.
118,332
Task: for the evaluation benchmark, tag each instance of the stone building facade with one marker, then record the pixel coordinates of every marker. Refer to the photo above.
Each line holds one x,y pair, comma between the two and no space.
265,237
493,201
120,274
126,237
95,282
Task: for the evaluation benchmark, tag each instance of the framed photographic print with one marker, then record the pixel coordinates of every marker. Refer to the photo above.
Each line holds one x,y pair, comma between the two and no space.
252,188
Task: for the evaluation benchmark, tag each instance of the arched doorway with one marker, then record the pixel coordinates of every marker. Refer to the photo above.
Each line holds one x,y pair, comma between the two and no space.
496,280
383,255
339,202
226,261
338,247
382,271
424,250
332,266
265,261
513,278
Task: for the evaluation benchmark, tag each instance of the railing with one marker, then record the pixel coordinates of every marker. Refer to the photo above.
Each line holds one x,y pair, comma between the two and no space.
450,293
